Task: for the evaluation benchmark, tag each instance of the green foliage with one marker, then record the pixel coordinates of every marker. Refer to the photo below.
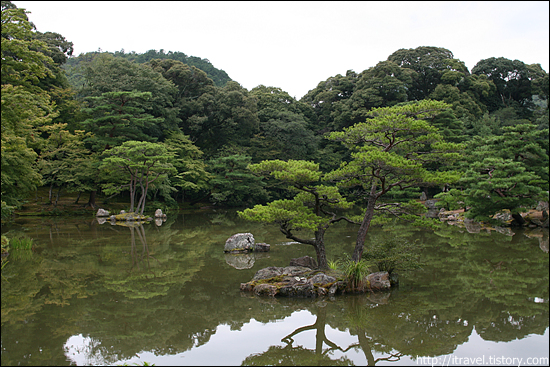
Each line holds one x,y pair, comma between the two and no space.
117,117
21,63
509,171
355,273
218,76
139,162
21,243
453,199
431,66
393,254
192,173
233,184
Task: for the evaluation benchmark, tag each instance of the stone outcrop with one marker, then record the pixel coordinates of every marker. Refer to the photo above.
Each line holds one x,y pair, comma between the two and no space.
379,281
102,213
262,247
240,242
305,261
301,281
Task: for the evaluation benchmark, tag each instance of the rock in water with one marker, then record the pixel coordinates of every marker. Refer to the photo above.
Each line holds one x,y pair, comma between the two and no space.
102,213
379,281
240,242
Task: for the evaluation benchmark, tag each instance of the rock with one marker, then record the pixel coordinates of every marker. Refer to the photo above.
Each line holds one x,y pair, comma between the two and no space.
423,196
101,220
298,289
240,261
262,247
305,261
102,213
379,281
240,242
158,213
247,287
504,216
267,273
295,270
122,212
265,290
321,279
542,206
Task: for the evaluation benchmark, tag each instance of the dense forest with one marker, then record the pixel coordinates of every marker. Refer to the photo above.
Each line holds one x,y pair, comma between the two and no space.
173,128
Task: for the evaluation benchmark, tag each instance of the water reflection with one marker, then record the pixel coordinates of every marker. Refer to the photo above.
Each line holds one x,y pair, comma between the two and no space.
170,296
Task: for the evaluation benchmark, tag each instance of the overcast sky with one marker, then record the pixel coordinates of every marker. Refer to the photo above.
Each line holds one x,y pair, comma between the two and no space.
296,45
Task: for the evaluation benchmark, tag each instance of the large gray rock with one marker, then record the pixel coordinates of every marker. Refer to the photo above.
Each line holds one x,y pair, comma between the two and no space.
102,213
295,270
240,242
321,279
267,273
305,261
379,281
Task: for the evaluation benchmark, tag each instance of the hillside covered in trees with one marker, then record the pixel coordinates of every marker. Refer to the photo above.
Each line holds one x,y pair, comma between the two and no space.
174,127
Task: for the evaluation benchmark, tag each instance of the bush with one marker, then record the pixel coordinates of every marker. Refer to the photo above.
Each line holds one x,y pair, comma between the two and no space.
394,254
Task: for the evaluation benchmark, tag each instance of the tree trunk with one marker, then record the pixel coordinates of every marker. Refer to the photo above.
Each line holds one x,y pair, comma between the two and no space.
364,228
91,200
57,196
320,249
78,197
50,193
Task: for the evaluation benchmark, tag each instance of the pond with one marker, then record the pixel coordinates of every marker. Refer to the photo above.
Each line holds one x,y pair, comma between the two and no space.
98,294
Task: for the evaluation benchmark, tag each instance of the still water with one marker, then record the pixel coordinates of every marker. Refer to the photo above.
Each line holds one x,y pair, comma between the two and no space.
97,294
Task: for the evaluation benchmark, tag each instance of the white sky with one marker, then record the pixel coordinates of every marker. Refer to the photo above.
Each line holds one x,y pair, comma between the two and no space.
296,45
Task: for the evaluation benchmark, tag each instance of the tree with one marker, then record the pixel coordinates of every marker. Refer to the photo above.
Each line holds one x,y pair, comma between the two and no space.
22,64
313,208
106,73
221,118
432,66
392,150
283,128
141,163
119,116
509,171
63,159
192,174
233,184
513,81
22,113
383,85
